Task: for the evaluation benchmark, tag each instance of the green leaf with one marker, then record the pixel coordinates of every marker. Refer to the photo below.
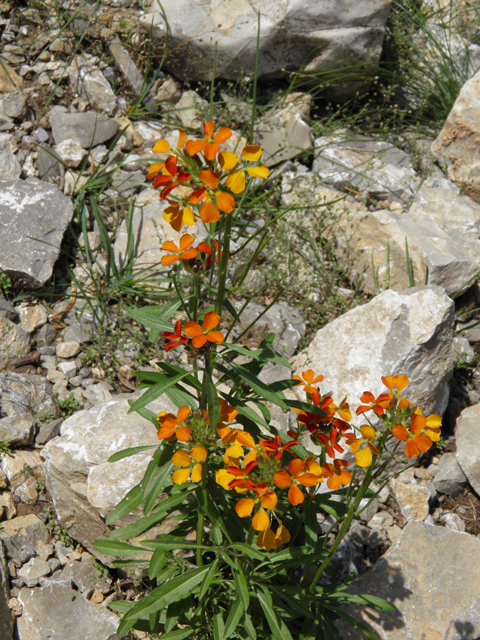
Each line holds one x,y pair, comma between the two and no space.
123,564
157,477
208,579
293,603
259,387
277,627
178,634
169,543
162,596
126,453
157,562
144,524
248,626
241,587
247,550
154,392
116,548
354,623
311,525
218,625
213,405
173,613
181,398
305,406
131,501
173,370
233,619
244,410
155,318
309,630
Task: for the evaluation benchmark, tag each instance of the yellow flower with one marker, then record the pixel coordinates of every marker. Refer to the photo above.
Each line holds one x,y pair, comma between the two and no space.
191,465
363,457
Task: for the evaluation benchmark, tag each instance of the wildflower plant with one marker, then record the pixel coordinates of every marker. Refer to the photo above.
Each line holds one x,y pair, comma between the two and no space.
245,556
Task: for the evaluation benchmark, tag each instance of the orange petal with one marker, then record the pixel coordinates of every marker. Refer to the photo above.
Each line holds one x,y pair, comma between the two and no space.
183,414
193,329
180,476
308,479
266,540
210,178
208,129
423,442
222,135
198,196
269,500
225,201
166,260
364,457
282,536
198,453
182,138
244,438
181,459
252,152
223,478
162,146
185,241
367,431
295,495
154,169
418,423
199,341
354,444
411,449
236,182
197,473
296,467
188,216
260,520
400,432
215,336
250,457
282,479
434,421
165,432
244,507
169,246
189,254
183,434
195,146
211,151
211,320
171,165
226,159
259,172
209,212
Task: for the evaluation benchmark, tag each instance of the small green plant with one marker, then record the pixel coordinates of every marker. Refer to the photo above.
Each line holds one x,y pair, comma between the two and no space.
5,283
40,485
102,570
68,406
5,447
58,529
48,416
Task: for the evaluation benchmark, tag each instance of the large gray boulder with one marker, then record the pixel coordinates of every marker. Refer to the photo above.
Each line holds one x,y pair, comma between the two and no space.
458,143
430,576
321,38
407,332
468,444
33,218
88,129
83,485
56,612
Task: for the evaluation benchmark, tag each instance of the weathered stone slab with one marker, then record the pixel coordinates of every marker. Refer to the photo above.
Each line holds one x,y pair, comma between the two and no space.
467,435
88,129
33,218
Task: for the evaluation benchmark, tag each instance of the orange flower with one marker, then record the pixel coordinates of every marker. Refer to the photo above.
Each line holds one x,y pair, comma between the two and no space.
163,146
307,473
363,457
337,474
377,404
171,426
223,200
191,465
420,436
176,337
331,441
170,177
184,253
269,540
261,520
276,448
177,217
210,144
307,380
202,335
395,383
236,181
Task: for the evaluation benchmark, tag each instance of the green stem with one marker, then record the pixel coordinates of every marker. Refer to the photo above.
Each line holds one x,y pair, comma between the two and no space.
223,263
201,520
195,297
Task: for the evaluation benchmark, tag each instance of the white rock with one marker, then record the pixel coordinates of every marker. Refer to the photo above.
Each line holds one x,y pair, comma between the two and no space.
68,349
283,134
97,393
33,571
71,152
68,368
468,444
32,317
408,332
89,82
9,166
189,107
453,522
327,36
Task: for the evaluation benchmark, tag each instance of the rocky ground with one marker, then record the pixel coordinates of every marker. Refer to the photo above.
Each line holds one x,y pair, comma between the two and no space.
373,271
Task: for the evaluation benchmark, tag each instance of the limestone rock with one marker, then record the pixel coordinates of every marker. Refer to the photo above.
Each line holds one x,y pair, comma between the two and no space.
22,393
85,577
19,465
71,152
10,81
97,393
426,560
33,571
78,475
20,537
189,107
13,105
412,497
408,332
128,68
375,168
17,429
32,317
331,37
90,83
68,349
32,209
450,478
10,168
453,522
6,620
14,342
458,143
88,129
56,612
468,444
283,134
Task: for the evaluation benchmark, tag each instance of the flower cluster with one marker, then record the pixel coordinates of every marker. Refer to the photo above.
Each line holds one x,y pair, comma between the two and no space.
194,335
210,177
